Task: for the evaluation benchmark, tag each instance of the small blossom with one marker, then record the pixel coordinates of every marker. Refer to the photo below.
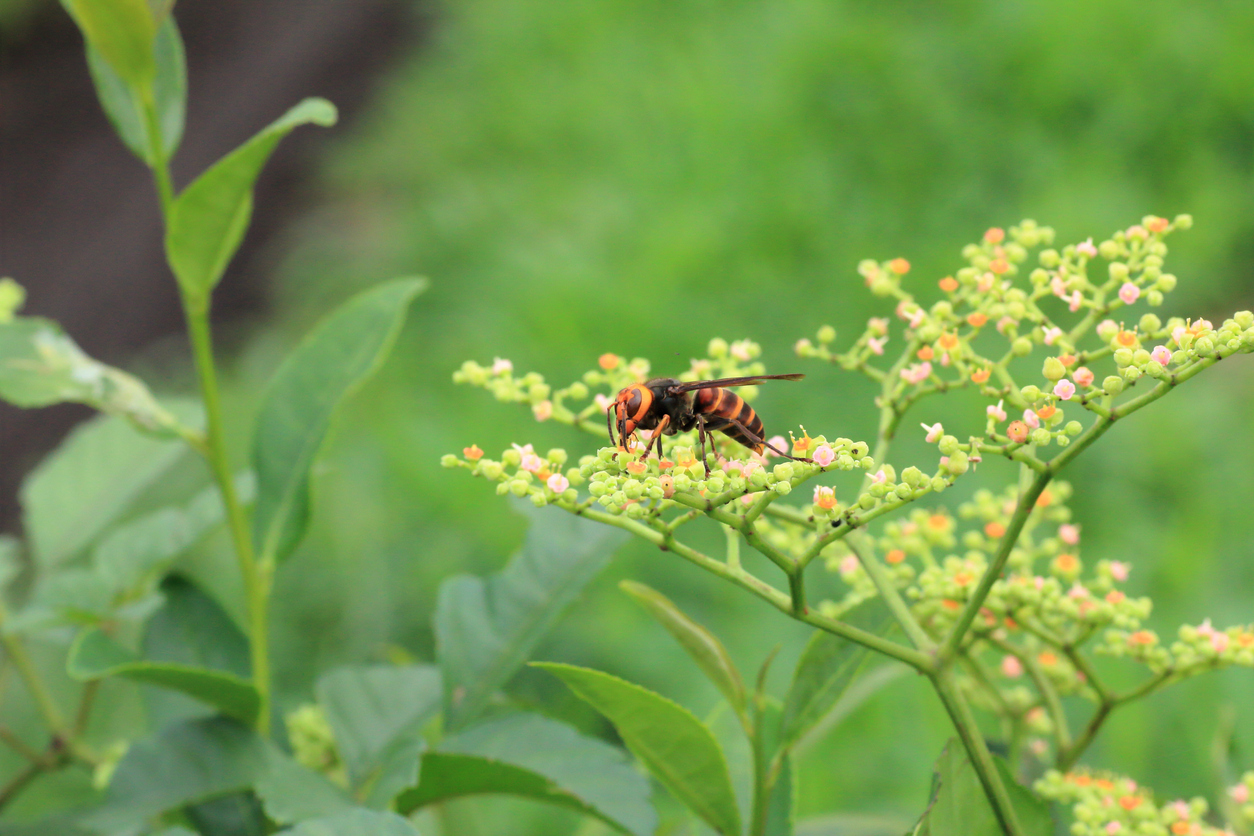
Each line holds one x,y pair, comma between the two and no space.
1219,642
995,235
1011,667
1119,571
543,410
948,341
558,483
609,362
995,530
997,413
1205,629
1143,637
740,350
523,450
895,556
1157,224
925,353
1078,590
1161,355
1129,293
977,319
877,325
879,477
1066,563
980,375
1113,827
917,373
848,564
472,453
986,281
1064,389
1115,597
1045,413
1178,333
1047,658
1240,793
1005,322
1127,339
1182,808
1086,249
1039,747
532,463
1069,534
778,442
1058,287
999,266
876,344
934,432
1138,232
1082,376
1017,432
825,497
500,366
637,468
802,346
1031,419
603,402
1052,334
823,455
1076,301
948,284
899,266
667,484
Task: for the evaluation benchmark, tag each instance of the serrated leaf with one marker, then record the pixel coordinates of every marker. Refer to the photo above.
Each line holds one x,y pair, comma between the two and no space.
123,32
675,746
291,793
329,364
90,481
827,667
183,764
355,823
485,629
40,366
961,807
123,106
531,756
95,656
207,221
376,715
704,647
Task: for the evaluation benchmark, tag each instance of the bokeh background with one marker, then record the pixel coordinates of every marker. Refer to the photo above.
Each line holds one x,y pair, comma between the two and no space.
638,176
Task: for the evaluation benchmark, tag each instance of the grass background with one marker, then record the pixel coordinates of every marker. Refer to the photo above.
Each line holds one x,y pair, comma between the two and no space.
638,177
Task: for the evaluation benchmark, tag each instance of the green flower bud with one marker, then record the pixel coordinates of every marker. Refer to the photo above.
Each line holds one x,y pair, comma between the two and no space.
1016,310
942,309
912,476
878,490
539,500
502,488
826,334
758,478
783,471
1107,329
958,463
1022,346
866,463
511,458
1131,374
903,491
716,484
1205,345
1150,322
1154,298
1040,436
1053,369
939,484
1167,282
683,482
1140,357
929,332
449,460
1073,428
1108,250
577,391
866,502
598,489
717,348
633,489
12,297
539,392
1050,259
1154,369
557,456
636,511
1183,222
948,445
519,487
1031,393
1118,271
883,285
1123,357
491,470
1243,319
1112,385
782,488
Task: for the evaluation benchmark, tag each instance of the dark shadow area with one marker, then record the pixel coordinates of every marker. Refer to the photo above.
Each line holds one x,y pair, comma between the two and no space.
79,225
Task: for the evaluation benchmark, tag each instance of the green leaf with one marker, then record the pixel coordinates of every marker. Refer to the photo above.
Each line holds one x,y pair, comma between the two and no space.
41,366
237,814
710,654
87,484
208,219
961,808
122,31
828,665
291,793
356,822
376,715
183,764
330,362
10,560
123,106
533,757
675,746
854,824
94,656
864,687
731,736
192,630
485,630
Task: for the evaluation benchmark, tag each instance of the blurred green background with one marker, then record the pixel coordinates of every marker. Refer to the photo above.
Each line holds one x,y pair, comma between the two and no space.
638,177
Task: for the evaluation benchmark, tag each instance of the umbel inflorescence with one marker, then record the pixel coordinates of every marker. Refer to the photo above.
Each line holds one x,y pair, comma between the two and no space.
998,598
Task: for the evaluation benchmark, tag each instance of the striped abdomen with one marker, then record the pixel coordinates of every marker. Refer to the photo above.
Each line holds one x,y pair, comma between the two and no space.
720,407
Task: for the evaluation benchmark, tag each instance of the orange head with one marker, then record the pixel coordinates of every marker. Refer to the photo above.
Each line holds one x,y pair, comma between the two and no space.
628,410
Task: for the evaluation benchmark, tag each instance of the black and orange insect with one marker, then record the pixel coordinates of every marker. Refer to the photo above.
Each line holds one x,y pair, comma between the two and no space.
668,406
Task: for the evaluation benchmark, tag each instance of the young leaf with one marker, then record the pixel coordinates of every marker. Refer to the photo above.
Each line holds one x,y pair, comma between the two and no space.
330,362
41,366
122,31
356,822
208,219
826,668
675,746
484,630
961,808
87,484
290,793
376,715
123,106
533,757
700,643
94,656
183,764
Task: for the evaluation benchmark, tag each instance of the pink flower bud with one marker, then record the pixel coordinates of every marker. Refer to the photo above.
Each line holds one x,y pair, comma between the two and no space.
558,483
1086,249
1240,793
878,477
1113,827
1052,334
603,402
740,350
934,432
543,410
1058,287
1205,629
1031,418
500,366
1161,355
1219,641
532,463
1064,389
848,564
1082,376
823,455
1077,299
917,373
877,325
1011,666
876,344
1069,534
778,442
1119,571
1129,293
997,413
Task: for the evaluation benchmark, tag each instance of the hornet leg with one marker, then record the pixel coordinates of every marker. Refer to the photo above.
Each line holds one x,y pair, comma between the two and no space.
749,434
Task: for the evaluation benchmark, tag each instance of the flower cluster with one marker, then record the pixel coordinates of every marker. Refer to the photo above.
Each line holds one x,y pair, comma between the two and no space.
1103,804
1197,649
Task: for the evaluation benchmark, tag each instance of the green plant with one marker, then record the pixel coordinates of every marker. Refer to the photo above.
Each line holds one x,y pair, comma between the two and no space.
1016,599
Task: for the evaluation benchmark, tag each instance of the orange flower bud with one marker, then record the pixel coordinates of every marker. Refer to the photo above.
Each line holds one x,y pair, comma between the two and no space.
925,353
899,266
995,235
947,341
999,265
608,361
977,319
995,530
980,375
948,284
472,453
895,556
